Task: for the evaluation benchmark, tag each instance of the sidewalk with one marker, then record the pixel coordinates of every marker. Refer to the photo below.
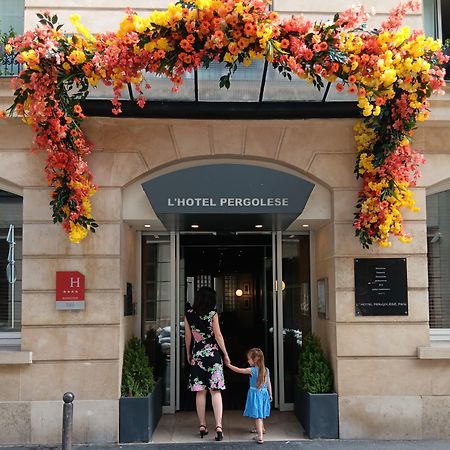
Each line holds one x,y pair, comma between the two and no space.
279,445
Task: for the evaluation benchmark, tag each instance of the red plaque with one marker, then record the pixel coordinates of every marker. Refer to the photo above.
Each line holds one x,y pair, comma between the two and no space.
69,290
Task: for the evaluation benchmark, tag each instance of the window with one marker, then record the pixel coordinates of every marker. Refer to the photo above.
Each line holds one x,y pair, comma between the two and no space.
156,279
11,22
438,232
436,14
11,16
10,267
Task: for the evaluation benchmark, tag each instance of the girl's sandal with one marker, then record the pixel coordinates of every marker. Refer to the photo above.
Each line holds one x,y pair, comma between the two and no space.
254,430
258,440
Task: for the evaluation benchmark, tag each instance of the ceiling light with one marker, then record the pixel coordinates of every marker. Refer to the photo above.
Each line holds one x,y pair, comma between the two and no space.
147,225
305,225
194,226
258,226
239,292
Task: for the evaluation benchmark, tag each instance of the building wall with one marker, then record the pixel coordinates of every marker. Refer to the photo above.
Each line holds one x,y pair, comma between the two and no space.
388,375
105,15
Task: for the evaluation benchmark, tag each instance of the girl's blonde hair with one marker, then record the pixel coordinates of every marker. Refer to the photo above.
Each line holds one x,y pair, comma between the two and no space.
257,356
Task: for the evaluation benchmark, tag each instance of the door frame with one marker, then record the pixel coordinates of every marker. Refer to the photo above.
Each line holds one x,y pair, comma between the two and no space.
277,308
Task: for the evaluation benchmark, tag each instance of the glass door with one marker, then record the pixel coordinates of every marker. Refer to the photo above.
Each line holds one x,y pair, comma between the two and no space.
238,266
291,310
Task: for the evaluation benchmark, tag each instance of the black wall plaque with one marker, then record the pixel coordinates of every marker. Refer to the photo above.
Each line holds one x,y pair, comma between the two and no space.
381,287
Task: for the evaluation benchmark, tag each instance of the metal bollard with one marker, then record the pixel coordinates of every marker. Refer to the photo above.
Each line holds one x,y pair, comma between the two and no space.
67,424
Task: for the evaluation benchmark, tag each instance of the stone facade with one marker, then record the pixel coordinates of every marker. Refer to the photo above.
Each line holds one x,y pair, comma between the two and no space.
388,374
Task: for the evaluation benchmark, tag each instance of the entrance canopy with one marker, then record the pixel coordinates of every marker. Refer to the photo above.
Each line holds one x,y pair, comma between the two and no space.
236,197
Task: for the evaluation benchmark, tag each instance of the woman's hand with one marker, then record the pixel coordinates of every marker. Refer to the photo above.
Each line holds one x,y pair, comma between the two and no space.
189,357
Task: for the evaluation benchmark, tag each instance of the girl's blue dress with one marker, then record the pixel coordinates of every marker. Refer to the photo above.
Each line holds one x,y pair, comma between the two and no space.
258,400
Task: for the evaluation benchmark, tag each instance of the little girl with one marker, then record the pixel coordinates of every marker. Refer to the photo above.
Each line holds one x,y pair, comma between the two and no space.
260,392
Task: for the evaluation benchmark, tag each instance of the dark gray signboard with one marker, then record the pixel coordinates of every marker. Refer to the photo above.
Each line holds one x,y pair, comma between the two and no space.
381,287
233,195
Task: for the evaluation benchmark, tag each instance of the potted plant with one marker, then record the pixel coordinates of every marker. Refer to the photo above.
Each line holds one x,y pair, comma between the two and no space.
140,406
316,405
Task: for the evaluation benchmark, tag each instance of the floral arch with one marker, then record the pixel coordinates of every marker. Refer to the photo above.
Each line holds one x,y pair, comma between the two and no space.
391,70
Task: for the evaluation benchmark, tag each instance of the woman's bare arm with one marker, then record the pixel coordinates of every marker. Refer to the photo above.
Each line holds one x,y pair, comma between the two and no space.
187,339
245,371
219,338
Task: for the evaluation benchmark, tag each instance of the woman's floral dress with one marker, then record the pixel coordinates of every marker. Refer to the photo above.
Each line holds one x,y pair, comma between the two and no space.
206,371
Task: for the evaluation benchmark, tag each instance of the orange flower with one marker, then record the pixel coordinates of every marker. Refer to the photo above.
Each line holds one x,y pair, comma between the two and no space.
186,46
236,34
352,79
308,55
2,114
339,87
233,48
380,101
352,89
323,46
219,35
242,43
190,38
284,43
362,92
77,109
334,67
249,29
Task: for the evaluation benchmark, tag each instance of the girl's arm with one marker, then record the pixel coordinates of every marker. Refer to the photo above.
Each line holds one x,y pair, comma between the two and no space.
269,388
187,339
219,338
246,371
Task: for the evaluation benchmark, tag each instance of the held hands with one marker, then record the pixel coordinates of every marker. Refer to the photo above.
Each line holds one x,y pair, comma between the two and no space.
226,360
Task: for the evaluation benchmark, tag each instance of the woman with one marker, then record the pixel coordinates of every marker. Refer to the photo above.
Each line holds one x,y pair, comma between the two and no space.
201,325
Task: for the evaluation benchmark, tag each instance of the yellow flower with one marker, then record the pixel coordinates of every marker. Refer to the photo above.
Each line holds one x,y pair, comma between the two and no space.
229,58
77,233
75,19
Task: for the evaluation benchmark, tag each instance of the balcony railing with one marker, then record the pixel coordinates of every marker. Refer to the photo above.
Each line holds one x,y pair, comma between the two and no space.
9,67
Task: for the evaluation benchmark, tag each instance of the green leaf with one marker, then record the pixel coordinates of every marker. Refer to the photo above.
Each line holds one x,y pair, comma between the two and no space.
137,374
314,371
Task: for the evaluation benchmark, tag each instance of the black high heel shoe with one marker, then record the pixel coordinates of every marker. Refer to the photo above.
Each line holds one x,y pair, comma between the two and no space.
219,433
202,430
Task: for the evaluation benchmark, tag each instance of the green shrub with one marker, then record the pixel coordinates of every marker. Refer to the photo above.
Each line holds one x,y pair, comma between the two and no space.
314,372
137,375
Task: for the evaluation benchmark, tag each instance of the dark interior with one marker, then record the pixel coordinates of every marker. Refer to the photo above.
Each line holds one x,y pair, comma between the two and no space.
235,262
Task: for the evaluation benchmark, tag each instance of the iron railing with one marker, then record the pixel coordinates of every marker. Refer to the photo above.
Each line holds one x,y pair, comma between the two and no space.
9,67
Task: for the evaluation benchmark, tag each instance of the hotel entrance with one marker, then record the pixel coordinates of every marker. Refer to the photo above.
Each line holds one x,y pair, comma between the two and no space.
262,282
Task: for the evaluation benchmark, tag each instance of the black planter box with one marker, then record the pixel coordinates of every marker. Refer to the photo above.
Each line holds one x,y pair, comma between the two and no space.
318,414
139,416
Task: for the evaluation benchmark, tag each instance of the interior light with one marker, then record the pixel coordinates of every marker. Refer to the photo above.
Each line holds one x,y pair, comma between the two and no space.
258,226
147,225
305,225
194,226
283,285
239,292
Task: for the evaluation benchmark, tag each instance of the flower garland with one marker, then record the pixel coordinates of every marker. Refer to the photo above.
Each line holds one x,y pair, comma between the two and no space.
392,72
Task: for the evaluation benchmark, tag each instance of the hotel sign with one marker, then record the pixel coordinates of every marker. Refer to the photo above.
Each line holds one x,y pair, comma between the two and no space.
69,290
225,190
226,202
381,287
